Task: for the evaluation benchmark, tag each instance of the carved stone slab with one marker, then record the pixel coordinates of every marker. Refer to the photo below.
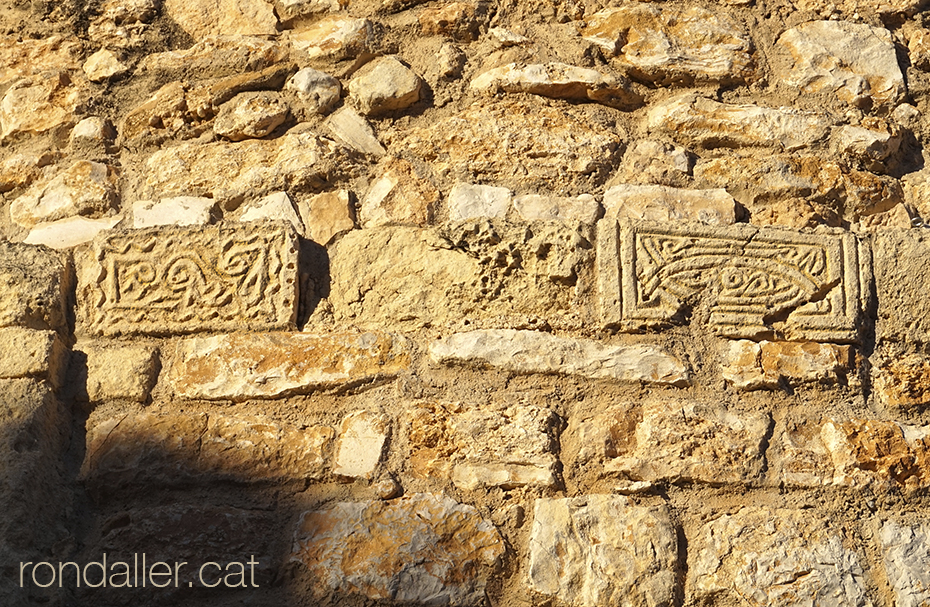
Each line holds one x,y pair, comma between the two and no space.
741,280
165,280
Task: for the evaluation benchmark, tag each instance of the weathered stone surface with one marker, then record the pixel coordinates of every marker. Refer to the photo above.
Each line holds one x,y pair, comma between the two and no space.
293,9
775,557
170,448
903,382
31,353
693,120
673,45
250,115
900,259
534,207
34,283
223,17
103,65
675,441
650,161
361,442
384,85
749,365
854,60
30,57
70,232
216,56
92,131
178,211
354,131
181,280
335,37
456,20
851,7
670,205
906,552
603,550
516,143
124,23
277,206
422,548
317,90
866,143
228,171
755,282
451,60
21,170
40,104
240,366
327,215
468,201
559,81
118,372
897,218
399,196
506,38
536,352
479,448
85,188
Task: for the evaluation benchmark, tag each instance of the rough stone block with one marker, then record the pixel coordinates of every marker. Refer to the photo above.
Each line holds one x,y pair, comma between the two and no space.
422,548
240,366
535,207
40,104
670,205
906,552
384,85
753,282
676,440
334,37
479,448
31,353
168,280
361,442
901,258
34,280
117,371
904,382
177,211
765,557
749,365
597,550
85,188
535,352
205,18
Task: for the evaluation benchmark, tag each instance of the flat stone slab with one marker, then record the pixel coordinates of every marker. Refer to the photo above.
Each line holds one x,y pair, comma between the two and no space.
906,552
422,548
596,550
169,280
756,282
362,435
536,352
241,366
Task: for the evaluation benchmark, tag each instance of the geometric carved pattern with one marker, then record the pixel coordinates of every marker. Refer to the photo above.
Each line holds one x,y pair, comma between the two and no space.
750,282
167,280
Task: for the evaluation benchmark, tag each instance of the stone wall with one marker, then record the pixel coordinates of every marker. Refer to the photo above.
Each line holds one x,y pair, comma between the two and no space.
522,304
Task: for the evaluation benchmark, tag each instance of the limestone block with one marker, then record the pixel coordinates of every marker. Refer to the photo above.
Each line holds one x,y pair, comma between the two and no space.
651,161
166,280
93,131
477,447
559,81
399,196
901,258
903,382
906,552
70,232
670,205
596,550
119,371
123,24
241,366
855,61
535,207
468,201
673,45
217,56
528,352
277,206
85,188
451,61
171,448
506,38
455,20
21,170
32,56
177,211
749,365
877,453
103,65
867,143
384,85
31,353
518,144
334,37
362,436
755,281
692,120
775,557
850,7
354,131
317,90
34,283
422,548
250,115
203,18
663,440
327,215
41,103
292,9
